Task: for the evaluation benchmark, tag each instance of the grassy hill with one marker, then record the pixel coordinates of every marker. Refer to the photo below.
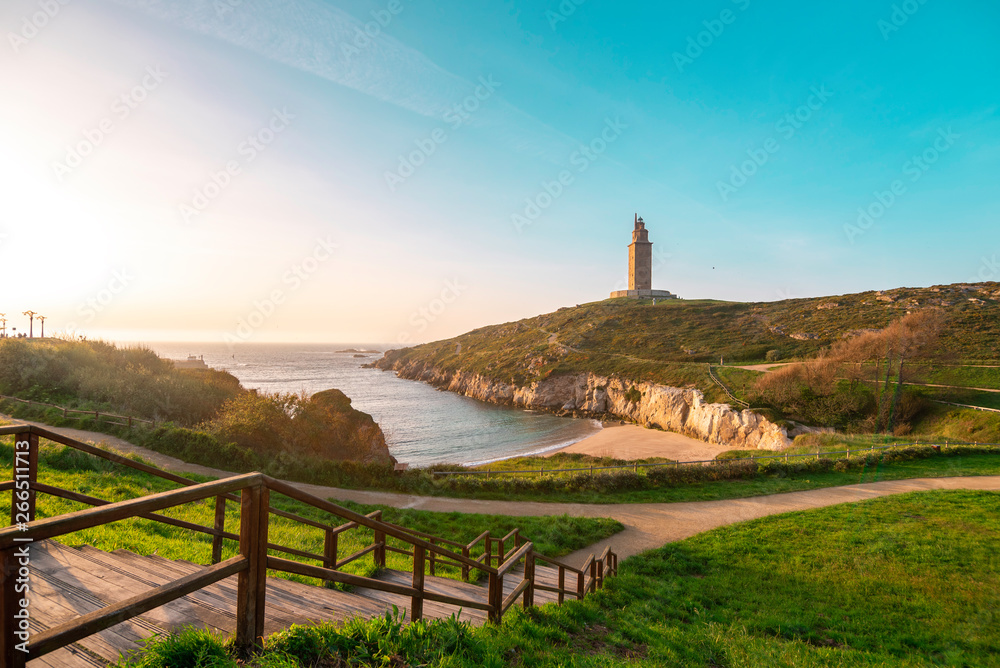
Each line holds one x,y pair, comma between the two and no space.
670,342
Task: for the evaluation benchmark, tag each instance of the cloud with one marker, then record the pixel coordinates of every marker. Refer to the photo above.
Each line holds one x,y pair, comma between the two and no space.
315,37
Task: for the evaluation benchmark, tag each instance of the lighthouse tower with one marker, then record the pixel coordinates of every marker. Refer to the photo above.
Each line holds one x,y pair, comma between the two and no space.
640,267
640,258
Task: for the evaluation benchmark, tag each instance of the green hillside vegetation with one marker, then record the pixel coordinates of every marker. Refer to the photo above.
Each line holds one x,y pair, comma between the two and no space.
859,357
911,580
669,343
98,375
206,415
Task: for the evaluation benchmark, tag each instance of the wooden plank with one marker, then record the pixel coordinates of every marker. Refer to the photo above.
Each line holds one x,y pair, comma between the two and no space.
99,620
512,597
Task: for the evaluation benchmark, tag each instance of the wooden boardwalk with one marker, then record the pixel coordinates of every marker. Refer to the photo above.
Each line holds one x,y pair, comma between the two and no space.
68,582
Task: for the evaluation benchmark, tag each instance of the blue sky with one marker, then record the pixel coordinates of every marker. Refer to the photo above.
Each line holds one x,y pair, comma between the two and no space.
272,173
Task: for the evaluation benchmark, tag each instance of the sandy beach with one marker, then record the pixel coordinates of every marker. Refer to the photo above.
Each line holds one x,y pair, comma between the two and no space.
633,442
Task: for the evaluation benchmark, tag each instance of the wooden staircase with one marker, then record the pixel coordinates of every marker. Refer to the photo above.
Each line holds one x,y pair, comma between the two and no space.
87,607
68,582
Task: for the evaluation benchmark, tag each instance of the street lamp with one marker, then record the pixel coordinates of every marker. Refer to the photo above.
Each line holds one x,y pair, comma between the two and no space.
31,323
41,319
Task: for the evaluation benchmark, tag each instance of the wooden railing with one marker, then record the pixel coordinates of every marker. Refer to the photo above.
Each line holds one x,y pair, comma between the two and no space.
500,555
79,414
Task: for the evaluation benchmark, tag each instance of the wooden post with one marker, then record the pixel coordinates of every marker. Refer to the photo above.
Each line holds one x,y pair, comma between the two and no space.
496,597
252,582
380,544
600,574
431,559
501,552
220,526
581,590
593,575
22,498
465,567
562,583
529,575
330,547
10,605
130,422
417,602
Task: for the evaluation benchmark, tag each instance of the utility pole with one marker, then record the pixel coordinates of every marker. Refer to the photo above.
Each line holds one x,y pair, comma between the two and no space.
41,319
31,323
3,325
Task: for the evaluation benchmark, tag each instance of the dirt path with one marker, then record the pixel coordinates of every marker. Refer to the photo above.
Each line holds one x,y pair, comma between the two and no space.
647,525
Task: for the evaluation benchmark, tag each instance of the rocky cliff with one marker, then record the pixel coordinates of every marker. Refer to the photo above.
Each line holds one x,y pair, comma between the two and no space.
683,411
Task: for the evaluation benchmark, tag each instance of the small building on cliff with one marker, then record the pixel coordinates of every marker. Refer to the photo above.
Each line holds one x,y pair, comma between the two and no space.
640,267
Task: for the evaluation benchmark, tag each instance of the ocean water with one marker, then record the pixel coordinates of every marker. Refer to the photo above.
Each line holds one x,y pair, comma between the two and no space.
422,425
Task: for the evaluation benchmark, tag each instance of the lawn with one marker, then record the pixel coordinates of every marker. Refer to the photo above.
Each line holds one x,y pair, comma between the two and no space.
910,580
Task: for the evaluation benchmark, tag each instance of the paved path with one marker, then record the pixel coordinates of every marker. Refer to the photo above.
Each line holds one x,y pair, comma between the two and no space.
647,525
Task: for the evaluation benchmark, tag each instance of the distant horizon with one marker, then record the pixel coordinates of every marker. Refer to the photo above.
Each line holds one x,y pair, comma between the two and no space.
215,338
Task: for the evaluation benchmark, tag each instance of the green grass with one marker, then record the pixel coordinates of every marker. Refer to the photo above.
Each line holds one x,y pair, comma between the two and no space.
909,580
70,469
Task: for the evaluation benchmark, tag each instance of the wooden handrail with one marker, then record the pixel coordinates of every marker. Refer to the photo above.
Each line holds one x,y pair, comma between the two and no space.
322,504
91,517
556,562
512,561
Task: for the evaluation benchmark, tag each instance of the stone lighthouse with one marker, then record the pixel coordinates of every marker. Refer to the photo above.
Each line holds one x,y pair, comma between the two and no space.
640,266
640,258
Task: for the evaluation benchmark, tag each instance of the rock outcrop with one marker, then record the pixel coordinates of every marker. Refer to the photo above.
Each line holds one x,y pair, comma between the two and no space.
683,411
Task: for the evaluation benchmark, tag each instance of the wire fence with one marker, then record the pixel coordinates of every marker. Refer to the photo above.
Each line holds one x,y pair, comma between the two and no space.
858,452
78,414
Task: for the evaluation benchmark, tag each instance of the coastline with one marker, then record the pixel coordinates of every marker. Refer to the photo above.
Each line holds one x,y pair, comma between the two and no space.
631,442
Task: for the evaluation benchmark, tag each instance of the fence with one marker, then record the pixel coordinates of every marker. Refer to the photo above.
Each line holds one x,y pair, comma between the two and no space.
108,418
500,555
732,397
716,462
